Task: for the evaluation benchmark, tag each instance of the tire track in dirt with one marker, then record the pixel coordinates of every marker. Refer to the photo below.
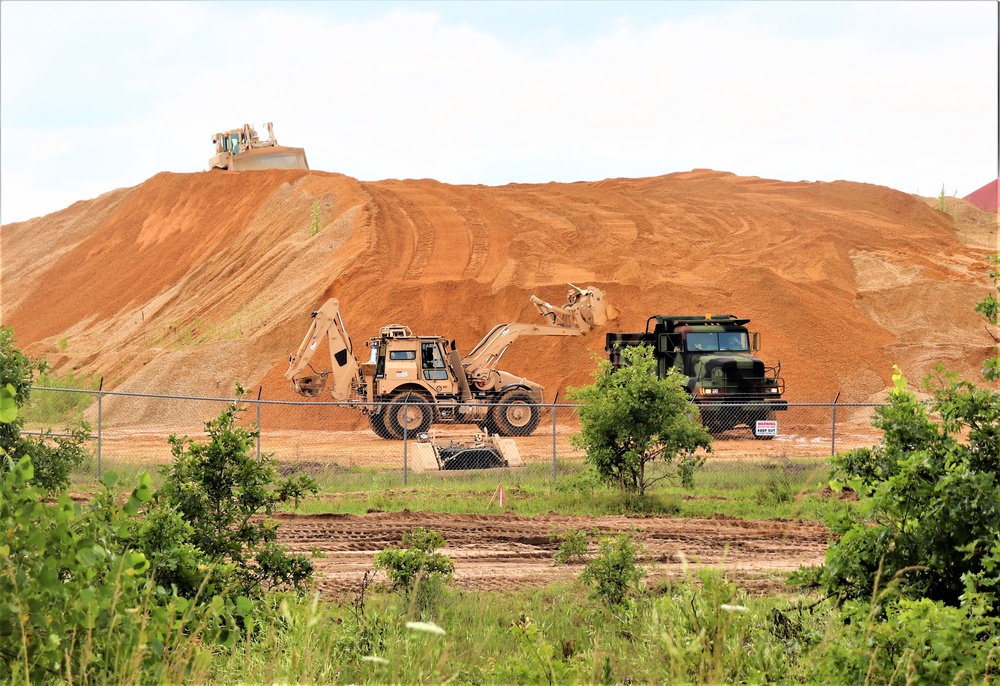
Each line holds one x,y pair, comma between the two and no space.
505,551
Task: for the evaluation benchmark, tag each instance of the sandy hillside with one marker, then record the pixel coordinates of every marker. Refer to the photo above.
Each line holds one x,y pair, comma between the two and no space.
189,283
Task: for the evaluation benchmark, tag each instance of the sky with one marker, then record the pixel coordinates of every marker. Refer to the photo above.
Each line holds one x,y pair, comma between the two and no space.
96,96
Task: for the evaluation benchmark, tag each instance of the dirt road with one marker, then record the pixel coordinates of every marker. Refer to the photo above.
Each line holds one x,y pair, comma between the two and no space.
502,551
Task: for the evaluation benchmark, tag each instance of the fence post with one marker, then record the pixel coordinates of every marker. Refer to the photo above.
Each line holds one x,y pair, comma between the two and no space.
554,436
259,391
100,397
833,428
406,422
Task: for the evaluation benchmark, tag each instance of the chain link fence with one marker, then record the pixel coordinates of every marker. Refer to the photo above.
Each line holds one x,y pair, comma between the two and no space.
336,443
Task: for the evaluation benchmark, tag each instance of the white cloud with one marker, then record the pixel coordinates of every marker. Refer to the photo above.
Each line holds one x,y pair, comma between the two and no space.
901,94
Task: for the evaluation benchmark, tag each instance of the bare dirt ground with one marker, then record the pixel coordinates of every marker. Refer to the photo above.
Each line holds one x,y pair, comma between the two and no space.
504,551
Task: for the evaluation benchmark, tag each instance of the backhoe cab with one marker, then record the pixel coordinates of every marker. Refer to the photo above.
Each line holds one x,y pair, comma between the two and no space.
408,383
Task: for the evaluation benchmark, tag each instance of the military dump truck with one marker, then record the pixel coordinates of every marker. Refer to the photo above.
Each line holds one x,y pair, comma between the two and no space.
729,385
241,149
410,382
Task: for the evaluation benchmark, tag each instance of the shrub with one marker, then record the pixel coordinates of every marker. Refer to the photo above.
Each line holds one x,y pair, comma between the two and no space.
417,569
630,418
916,642
930,504
572,546
52,456
212,498
613,573
77,606
989,307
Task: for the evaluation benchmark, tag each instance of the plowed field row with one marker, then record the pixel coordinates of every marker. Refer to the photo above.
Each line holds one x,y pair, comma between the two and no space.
504,551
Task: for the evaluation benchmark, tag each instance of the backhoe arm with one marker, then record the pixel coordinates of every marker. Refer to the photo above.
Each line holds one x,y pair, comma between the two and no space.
326,322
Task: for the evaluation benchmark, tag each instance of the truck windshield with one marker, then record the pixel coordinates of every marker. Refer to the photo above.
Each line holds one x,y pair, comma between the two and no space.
702,341
733,340
726,340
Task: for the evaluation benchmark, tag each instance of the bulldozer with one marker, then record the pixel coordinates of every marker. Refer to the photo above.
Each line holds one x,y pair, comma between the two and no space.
410,382
242,149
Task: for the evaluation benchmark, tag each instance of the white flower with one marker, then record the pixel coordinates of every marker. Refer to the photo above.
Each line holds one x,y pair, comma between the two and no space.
735,608
429,627
376,659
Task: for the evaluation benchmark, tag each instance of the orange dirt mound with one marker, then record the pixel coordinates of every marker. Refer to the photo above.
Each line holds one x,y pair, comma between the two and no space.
189,283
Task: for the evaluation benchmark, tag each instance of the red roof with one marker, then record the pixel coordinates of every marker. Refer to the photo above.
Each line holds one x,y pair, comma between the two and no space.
986,198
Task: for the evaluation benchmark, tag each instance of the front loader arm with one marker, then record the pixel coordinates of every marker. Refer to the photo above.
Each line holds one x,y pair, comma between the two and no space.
327,322
487,353
585,309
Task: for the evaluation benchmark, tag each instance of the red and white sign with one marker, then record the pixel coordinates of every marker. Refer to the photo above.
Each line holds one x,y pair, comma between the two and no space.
766,427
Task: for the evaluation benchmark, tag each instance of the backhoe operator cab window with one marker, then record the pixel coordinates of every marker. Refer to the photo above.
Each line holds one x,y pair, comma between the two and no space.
433,362
726,340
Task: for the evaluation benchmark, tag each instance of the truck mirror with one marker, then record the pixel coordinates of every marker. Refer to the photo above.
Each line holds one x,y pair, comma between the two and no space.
755,346
663,343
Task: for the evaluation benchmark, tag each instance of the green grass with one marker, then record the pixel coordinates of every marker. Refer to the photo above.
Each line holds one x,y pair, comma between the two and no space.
678,632
59,408
787,489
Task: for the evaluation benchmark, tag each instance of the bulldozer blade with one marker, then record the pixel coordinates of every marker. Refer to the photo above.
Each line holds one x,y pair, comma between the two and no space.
277,157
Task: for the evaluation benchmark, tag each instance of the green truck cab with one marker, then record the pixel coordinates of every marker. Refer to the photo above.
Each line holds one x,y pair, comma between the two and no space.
730,386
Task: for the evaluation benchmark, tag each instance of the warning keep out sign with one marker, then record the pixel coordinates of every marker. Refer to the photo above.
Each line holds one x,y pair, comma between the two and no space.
767,427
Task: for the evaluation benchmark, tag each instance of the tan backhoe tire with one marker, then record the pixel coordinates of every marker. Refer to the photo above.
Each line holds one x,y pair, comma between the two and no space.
408,414
515,414
377,422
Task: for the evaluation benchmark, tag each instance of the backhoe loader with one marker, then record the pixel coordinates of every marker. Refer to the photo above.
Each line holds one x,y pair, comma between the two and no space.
410,382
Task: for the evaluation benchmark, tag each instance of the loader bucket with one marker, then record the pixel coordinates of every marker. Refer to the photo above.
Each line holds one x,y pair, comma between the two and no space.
584,309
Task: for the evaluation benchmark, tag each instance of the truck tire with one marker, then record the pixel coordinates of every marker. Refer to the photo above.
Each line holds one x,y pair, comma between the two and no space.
410,410
377,422
515,414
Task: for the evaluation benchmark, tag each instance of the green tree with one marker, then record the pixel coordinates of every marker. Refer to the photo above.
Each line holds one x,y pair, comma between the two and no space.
630,418
989,307
52,456
930,501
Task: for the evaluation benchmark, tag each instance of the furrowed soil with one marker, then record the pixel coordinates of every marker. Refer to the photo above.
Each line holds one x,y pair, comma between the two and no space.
504,551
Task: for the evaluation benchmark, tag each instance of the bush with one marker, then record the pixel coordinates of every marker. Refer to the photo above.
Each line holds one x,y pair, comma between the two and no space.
417,569
77,606
52,456
916,642
930,502
572,547
613,573
629,418
212,499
